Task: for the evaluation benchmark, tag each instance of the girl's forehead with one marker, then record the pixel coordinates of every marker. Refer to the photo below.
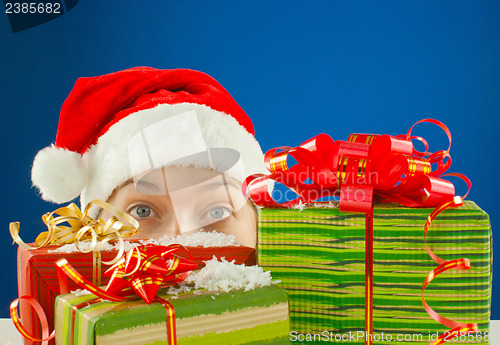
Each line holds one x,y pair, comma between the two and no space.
175,178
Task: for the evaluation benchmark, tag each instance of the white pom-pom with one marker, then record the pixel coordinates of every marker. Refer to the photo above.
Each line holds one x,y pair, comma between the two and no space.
59,174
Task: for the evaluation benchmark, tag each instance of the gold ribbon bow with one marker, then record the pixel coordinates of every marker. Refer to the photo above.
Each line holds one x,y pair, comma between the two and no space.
82,228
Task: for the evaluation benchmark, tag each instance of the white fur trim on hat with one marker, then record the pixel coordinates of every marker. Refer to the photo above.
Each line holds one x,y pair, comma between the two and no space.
109,162
59,174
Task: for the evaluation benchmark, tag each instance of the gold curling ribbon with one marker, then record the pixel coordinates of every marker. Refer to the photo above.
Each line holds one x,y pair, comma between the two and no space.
83,228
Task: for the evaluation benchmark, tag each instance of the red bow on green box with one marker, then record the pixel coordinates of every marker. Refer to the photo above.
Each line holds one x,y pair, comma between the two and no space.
145,269
141,272
365,169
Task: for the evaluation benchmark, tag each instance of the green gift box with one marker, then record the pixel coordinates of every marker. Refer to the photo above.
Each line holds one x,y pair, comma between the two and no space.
258,316
318,253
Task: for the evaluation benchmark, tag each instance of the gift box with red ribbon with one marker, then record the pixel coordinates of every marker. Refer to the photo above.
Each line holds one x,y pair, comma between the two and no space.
319,256
37,273
374,247
258,316
37,276
223,314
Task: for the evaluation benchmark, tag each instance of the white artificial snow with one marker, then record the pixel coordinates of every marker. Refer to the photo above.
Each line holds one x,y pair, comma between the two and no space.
199,239
81,292
217,276
300,206
175,290
226,276
330,204
71,248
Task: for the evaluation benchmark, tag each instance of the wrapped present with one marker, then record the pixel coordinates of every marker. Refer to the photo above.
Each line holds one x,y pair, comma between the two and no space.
318,253
37,275
236,317
331,259
214,309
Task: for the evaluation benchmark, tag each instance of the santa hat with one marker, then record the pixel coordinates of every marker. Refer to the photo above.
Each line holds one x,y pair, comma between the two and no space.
103,116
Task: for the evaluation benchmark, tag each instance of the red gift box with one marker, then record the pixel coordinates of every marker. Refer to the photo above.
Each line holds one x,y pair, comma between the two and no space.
37,276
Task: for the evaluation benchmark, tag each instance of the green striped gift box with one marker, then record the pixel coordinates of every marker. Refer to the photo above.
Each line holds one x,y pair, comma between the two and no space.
319,256
258,316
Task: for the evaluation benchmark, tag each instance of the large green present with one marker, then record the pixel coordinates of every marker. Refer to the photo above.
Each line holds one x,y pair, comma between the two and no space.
318,253
258,316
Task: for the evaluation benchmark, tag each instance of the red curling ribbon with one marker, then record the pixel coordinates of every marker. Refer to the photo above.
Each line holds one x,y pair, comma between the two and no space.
41,315
457,328
171,328
364,169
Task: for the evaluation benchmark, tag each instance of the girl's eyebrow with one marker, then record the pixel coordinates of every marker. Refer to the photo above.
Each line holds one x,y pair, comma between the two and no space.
230,182
143,184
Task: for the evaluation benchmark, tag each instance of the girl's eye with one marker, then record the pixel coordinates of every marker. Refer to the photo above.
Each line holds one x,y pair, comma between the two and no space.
219,212
141,211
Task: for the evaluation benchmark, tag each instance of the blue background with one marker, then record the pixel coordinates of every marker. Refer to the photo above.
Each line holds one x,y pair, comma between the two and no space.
298,68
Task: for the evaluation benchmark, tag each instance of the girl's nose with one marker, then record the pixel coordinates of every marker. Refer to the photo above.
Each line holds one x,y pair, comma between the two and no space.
173,228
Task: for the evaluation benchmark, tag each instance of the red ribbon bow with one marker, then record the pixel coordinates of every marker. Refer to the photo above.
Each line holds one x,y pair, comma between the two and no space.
145,269
359,171
356,170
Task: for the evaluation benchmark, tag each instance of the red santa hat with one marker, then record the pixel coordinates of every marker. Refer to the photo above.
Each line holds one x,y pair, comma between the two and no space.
103,115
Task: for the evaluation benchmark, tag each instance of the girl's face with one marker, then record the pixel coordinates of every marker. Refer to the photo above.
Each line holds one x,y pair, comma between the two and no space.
182,200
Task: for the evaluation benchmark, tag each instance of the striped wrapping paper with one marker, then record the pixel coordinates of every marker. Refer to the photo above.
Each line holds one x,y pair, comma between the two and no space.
37,276
258,316
318,254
